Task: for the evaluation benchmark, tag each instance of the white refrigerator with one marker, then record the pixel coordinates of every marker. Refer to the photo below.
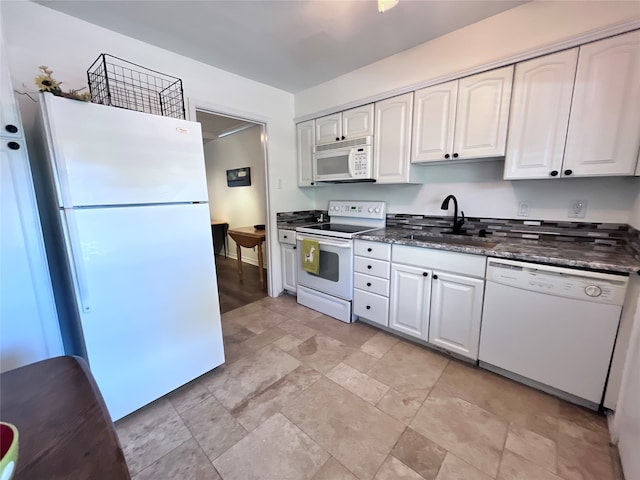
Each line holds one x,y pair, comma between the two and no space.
123,197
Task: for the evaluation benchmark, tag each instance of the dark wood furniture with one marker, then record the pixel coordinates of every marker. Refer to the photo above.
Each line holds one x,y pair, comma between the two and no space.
249,237
220,225
64,428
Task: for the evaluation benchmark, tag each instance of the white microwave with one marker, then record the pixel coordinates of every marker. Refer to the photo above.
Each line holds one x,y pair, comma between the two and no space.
345,161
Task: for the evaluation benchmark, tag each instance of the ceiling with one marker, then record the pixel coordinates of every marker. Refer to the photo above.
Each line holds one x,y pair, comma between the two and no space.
290,45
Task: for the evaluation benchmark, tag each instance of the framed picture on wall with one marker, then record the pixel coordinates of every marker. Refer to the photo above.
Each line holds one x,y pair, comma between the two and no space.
239,177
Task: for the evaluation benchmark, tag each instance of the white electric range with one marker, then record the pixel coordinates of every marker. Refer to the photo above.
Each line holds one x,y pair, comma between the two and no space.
330,291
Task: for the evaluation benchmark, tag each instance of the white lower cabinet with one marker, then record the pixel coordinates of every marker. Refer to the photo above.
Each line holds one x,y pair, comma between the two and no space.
436,296
456,310
371,281
289,255
410,297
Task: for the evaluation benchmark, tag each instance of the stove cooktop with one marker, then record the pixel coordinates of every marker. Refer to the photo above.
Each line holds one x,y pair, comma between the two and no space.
336,229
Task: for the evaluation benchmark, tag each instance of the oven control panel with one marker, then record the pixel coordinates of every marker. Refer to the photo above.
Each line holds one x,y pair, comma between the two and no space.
357,209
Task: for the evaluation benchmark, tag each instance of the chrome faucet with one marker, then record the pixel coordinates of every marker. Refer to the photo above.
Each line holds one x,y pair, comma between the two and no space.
457,224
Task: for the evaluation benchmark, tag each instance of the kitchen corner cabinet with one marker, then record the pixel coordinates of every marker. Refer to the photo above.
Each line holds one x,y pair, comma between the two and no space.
392,139
463,119
352,123
436,296
289,256
305,140
577,118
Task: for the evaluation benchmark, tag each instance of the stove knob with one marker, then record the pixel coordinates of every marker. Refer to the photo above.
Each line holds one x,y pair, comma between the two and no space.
593,291
377,210
370,210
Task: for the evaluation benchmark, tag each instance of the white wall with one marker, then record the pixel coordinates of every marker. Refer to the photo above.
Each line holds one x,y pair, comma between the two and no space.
481,192
480,187
35,35
239,206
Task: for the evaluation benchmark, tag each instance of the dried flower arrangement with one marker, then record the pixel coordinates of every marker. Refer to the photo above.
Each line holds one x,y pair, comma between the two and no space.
46,83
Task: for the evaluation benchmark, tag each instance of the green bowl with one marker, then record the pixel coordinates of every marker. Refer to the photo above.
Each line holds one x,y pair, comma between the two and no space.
8,450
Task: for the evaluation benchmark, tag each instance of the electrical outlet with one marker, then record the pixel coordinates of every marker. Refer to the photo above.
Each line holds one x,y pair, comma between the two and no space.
577,209
523,209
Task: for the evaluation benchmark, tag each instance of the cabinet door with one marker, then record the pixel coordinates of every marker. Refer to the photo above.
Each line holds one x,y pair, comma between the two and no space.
328,128
540,106
9,113
29,329
305,134
482,114
357,122
392,141
410,298
604,127
289,267
456,310
433,122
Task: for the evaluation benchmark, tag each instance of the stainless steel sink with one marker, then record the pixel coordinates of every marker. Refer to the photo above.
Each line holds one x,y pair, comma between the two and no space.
461,240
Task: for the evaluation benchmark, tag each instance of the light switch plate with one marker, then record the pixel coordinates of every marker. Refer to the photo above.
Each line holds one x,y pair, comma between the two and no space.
577,209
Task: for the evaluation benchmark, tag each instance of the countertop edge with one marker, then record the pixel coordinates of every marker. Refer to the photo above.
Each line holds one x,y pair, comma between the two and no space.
499,252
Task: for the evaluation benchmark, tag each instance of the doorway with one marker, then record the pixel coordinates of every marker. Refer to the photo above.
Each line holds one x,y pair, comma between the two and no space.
235,163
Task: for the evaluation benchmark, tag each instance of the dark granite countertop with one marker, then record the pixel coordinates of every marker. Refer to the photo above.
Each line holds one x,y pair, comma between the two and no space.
294,224
566,254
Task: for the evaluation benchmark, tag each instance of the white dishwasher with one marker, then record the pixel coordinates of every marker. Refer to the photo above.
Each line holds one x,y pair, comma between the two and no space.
555,326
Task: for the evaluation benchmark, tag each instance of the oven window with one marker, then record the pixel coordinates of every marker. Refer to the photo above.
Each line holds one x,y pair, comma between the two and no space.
337,165
329,266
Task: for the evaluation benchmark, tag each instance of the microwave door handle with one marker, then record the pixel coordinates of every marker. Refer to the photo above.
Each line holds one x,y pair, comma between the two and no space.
351,163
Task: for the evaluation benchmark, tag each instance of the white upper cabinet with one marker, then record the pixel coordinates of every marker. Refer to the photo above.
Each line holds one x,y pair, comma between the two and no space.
353,123
463,119
540,106
433,122
305,139
392,139
482,114
604,126
579,118
329,128
357,122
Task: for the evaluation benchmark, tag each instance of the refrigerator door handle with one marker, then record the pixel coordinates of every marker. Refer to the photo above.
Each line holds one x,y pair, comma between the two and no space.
74,251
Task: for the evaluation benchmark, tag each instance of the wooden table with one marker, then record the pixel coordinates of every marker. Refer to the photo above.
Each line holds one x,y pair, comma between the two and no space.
216,224
249,237
64,428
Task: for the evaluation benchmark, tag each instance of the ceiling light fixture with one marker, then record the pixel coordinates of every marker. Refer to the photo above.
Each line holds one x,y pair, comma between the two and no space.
384,5
231,131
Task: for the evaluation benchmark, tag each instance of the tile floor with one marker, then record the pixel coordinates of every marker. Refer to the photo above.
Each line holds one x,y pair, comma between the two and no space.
304,396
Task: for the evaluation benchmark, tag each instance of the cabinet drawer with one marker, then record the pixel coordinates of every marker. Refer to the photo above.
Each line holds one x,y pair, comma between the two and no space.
371,284
287,236
371,306
377,268
364,248
464,263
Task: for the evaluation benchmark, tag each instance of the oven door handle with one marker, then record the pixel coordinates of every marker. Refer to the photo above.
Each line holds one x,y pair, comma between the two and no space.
328,243
337,245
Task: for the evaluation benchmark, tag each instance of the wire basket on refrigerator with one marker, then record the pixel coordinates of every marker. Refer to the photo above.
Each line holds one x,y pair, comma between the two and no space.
119,83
